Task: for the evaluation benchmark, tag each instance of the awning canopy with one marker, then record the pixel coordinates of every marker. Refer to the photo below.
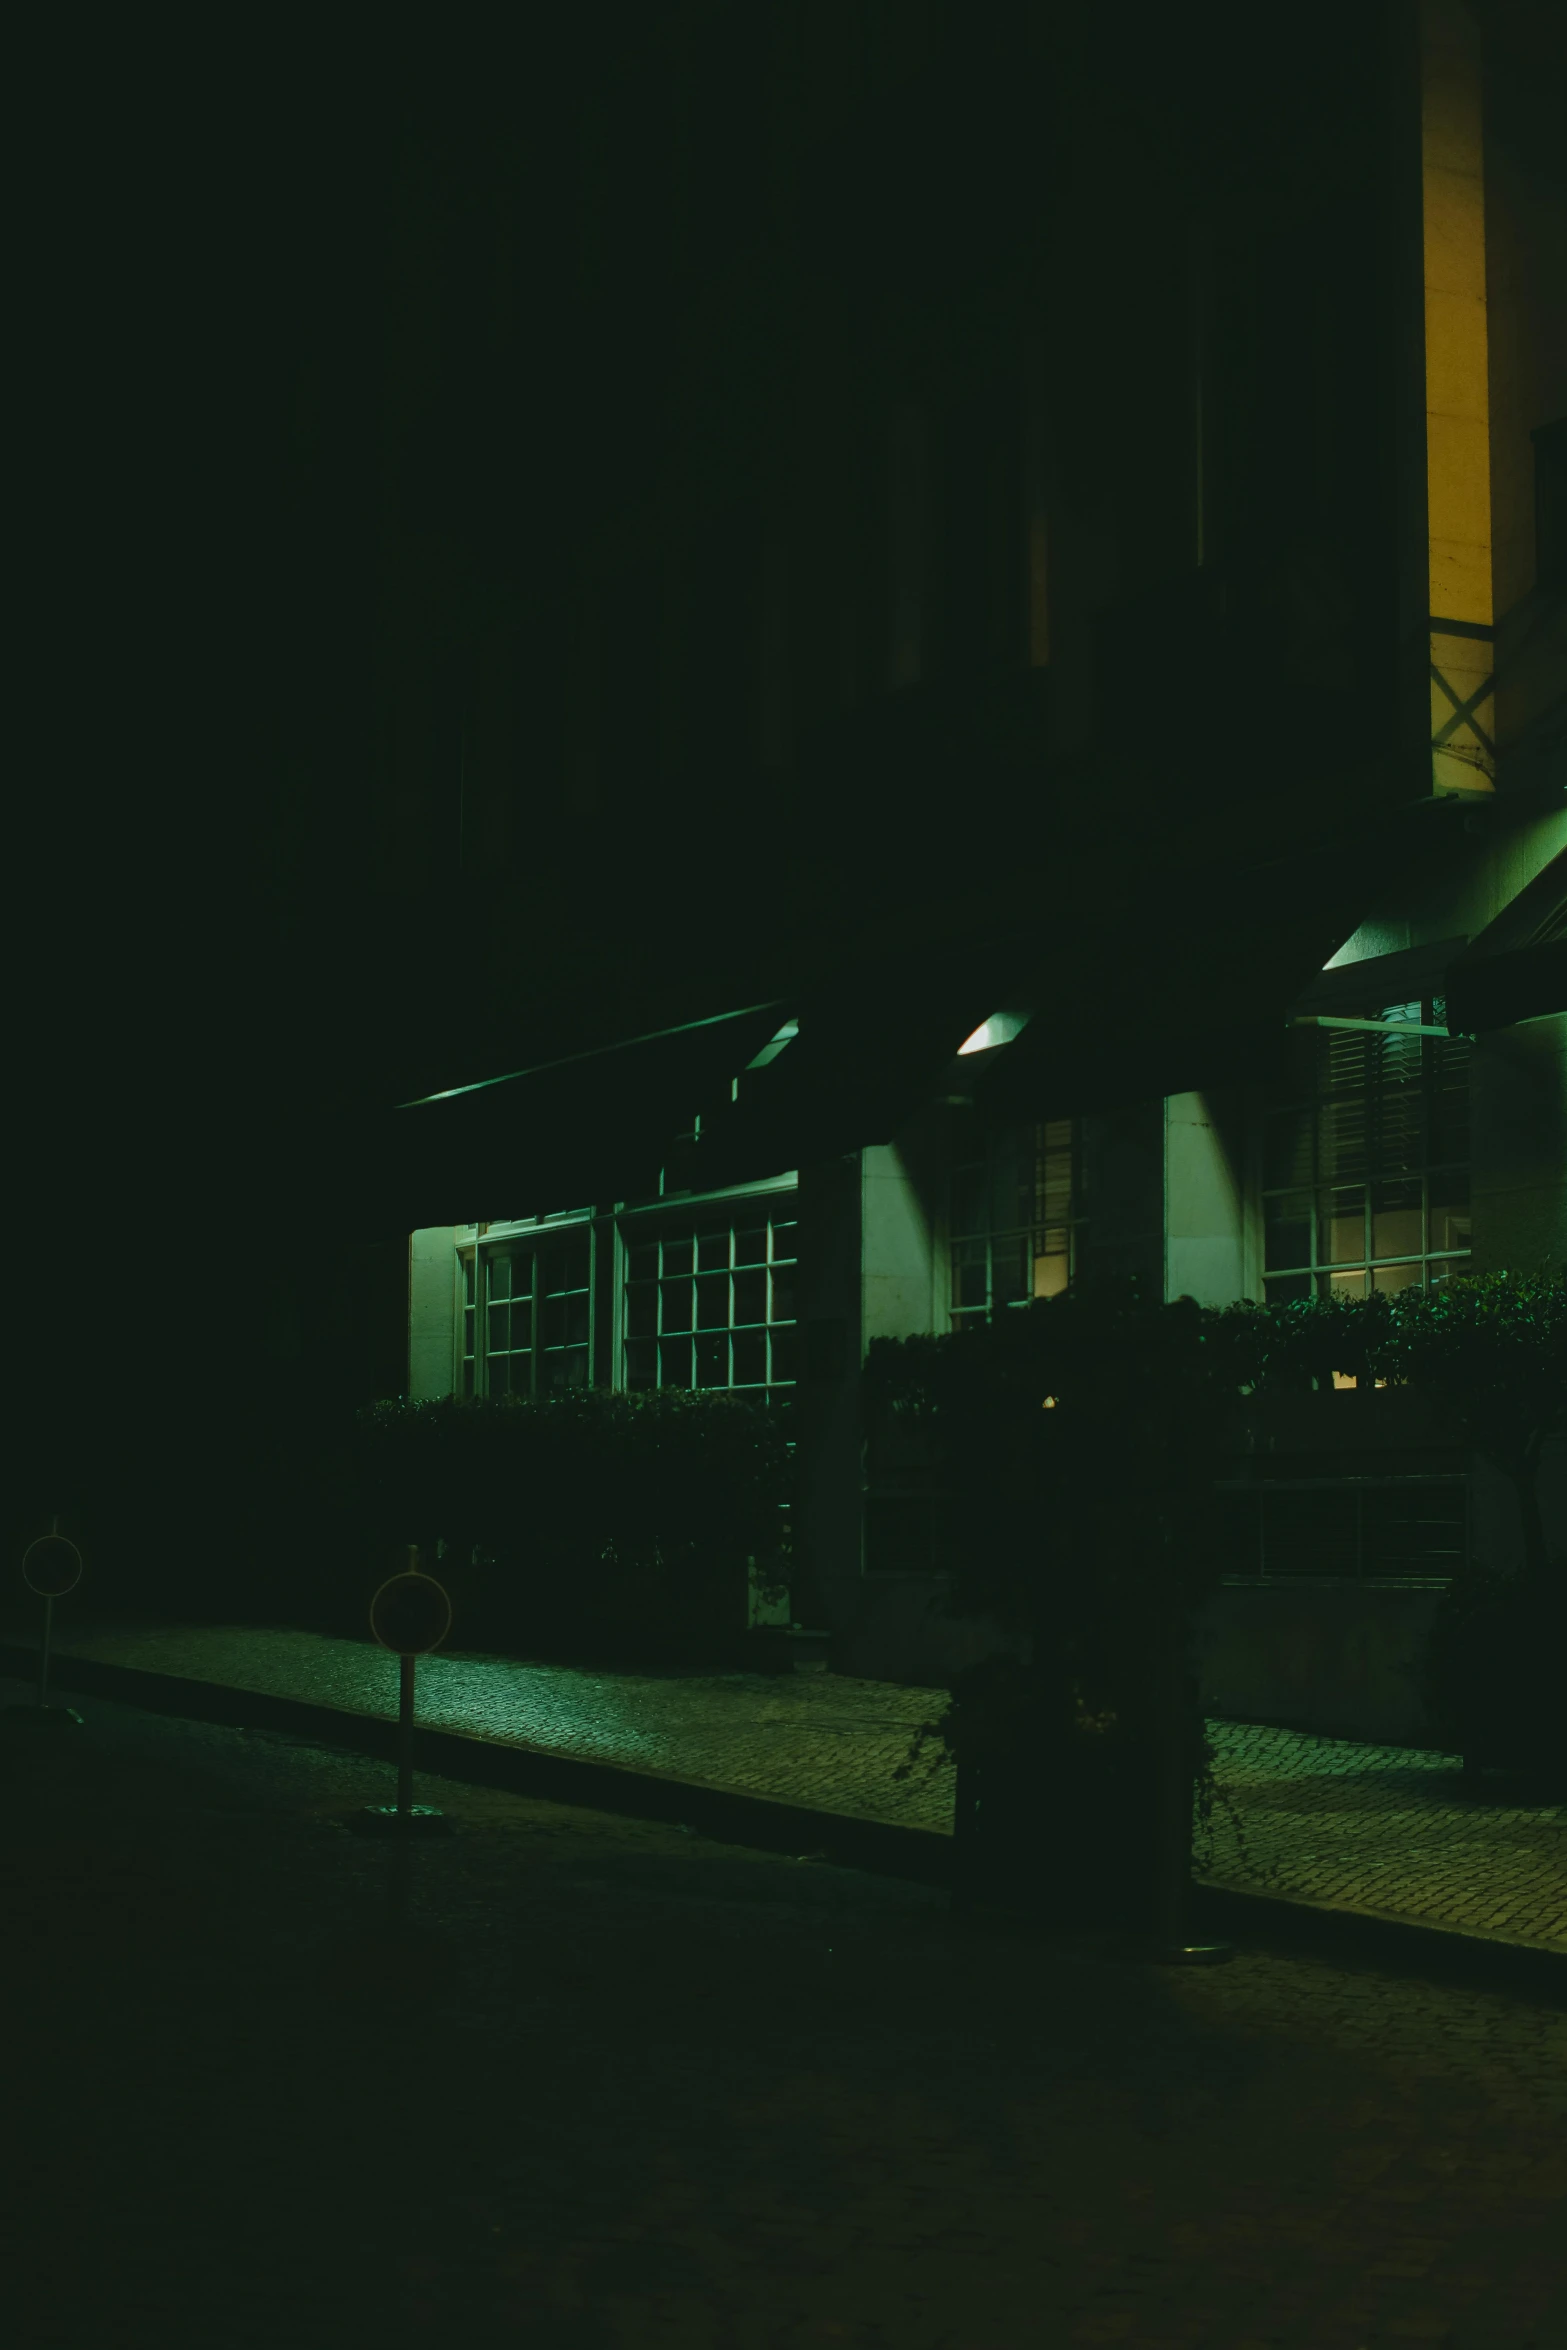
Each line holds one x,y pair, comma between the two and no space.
1517,968
1154,985
572,1133
1411,975
1161,981
1497,991
1191,989
867,1053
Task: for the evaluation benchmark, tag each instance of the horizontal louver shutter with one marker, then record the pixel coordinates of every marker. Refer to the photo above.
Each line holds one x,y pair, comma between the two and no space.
1414,1530
1407,1528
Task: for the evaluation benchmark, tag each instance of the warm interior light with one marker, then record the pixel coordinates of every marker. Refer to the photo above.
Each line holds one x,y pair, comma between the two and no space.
1049,1403
1050,1275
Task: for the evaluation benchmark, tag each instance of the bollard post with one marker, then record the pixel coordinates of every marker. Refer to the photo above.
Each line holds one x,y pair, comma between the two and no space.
405,1738
410,1614
51,1566
43,1653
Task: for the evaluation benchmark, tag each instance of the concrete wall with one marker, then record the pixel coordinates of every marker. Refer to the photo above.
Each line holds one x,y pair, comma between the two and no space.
1526,302
1343,1659
1337,1659
1495,1528
827,1399
1518,1151
888,1630
432,1298
1553,1495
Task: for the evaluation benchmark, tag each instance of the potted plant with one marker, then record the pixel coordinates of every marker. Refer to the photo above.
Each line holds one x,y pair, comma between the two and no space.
1079,1438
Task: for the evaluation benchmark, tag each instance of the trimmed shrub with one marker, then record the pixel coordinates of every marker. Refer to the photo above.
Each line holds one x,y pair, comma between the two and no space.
584,1523
1493,1671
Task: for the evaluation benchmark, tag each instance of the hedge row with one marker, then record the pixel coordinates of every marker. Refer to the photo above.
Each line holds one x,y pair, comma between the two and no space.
577,1522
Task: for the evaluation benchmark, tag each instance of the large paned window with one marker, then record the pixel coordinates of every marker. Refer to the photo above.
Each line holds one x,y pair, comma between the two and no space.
709,1301
1012,1220
1034,1208
526,1312
1365,1174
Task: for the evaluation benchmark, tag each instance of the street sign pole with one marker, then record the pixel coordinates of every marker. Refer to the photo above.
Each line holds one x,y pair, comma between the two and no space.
51,1566
43,1653
411,1614
405,1738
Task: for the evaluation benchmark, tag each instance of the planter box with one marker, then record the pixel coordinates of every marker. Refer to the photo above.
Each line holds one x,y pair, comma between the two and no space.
887,1628
1076,1832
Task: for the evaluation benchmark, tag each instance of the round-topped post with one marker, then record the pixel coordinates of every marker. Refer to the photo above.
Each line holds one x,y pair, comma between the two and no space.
51,1566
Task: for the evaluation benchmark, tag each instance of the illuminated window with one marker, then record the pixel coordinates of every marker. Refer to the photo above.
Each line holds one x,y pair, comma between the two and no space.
711,1303
1013,1220
526,1312
1036,1208
1365,1173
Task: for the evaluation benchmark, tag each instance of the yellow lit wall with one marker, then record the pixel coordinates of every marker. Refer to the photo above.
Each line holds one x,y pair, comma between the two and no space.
1458,468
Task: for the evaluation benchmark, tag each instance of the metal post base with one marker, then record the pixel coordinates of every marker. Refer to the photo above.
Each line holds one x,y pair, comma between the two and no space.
1189,1953
53,1714
384,1819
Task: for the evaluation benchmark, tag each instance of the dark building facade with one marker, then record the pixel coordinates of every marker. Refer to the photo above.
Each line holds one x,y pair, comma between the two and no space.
1101,569
786,540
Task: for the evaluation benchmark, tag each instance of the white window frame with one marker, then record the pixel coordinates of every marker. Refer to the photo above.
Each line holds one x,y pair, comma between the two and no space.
637,1223
471,1243
1333,1276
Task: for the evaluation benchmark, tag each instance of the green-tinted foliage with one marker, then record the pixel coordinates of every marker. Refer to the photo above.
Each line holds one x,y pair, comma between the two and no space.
580,1520
1492,1352
1493,1671
1079,1439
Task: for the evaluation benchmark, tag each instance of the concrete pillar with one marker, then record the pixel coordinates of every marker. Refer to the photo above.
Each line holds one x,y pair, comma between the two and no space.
432,1303
1205,1227
898,1266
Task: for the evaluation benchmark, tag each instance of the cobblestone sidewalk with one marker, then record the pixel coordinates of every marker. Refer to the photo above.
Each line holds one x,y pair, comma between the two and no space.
1389,1831
1384,1831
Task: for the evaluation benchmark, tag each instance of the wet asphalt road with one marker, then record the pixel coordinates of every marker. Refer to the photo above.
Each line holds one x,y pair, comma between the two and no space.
611,2084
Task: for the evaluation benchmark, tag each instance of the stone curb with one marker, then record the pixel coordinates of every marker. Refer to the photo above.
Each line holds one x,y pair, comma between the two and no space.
764,1823
1367,1938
